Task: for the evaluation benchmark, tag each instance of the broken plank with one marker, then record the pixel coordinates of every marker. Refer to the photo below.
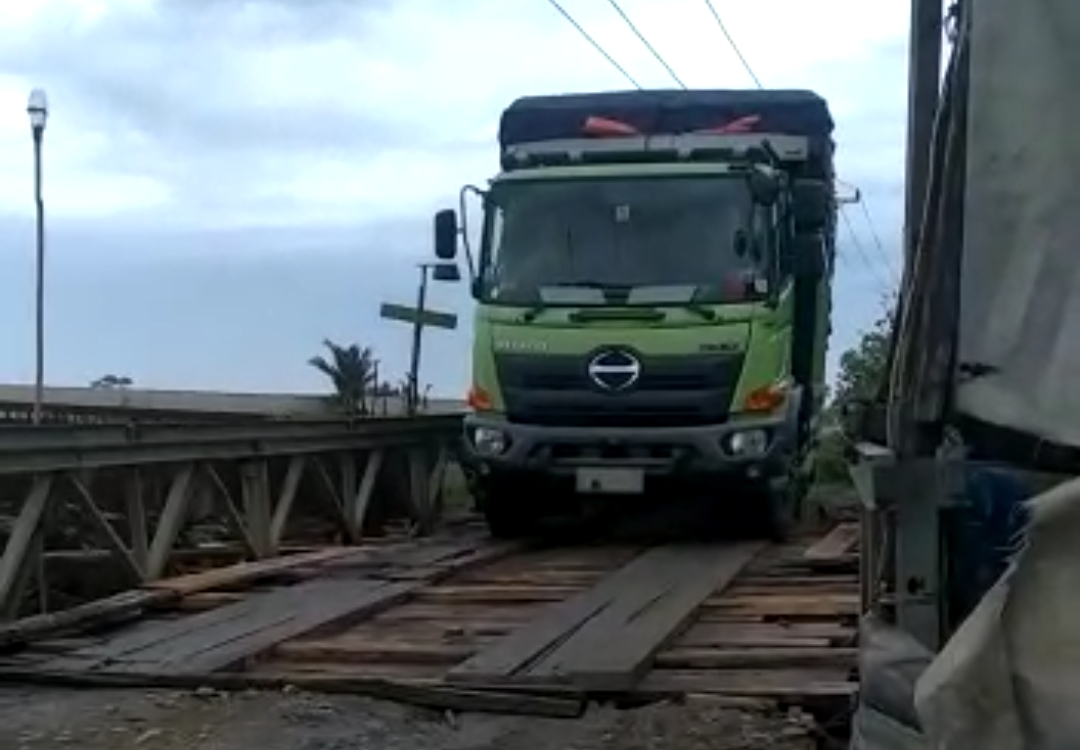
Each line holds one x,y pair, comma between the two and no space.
838,543
615,649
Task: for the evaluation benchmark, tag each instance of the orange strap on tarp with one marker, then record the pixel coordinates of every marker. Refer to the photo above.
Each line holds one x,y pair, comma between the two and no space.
602,126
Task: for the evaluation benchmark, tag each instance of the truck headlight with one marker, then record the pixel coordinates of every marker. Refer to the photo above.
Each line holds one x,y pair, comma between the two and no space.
489,441
749,443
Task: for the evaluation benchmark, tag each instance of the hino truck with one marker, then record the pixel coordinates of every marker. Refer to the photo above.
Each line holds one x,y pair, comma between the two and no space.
652,281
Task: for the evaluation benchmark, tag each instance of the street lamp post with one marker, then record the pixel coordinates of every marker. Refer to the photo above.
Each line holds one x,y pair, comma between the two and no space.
38,109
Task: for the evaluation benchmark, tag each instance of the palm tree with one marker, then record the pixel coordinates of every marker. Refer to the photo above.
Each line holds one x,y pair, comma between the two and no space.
352,371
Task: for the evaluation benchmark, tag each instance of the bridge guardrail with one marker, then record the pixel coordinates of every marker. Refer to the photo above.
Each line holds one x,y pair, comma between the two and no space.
62,447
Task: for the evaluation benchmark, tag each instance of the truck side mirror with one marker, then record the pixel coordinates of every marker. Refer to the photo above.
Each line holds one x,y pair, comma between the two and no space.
810,203
764,188
446,234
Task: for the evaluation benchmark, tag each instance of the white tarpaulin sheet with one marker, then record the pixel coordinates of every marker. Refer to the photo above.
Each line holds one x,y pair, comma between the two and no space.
1020,289
1009,678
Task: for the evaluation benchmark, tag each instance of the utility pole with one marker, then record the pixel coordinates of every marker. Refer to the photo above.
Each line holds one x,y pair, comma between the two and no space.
924,76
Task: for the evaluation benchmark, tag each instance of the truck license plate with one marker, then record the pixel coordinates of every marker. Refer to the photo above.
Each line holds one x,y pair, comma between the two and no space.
611,481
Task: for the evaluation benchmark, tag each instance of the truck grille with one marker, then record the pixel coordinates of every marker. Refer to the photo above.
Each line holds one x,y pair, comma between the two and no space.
671,391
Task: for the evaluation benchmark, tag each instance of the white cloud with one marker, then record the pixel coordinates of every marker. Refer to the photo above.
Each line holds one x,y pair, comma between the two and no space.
182,116
395,103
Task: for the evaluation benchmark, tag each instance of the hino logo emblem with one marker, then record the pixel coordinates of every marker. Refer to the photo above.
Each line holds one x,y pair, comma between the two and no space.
614,369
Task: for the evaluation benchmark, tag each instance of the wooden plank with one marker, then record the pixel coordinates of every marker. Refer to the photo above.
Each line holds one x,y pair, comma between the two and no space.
427,694
380,651
837,544
151,640
294,613
765,635
493,593
123,605
246,573
788,685
226,636
511,656
630,613
716,658
615,649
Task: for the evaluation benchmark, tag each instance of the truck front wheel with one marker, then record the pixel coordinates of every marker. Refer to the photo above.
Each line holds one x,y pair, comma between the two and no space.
508,506
775,510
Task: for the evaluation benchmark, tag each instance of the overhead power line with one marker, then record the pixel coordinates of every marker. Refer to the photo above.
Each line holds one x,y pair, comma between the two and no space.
555,4
886,287
864,256
877,241
659,58
731,41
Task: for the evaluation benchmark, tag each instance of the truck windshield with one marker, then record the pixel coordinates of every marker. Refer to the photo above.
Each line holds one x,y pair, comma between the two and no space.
584,239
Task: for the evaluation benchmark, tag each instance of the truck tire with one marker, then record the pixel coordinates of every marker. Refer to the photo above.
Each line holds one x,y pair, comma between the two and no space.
774,513
508,508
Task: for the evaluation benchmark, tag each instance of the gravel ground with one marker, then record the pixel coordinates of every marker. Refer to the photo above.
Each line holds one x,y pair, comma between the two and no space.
205,720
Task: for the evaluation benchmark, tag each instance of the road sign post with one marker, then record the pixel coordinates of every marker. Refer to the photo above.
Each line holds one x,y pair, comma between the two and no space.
418,316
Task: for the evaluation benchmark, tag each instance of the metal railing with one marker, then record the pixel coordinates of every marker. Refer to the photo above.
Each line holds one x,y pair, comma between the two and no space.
135,490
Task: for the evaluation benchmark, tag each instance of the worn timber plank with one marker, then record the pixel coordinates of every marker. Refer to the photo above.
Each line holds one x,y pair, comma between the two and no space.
616,648
121,606
422,693
246,573
219,638
228,635
835,545
605,637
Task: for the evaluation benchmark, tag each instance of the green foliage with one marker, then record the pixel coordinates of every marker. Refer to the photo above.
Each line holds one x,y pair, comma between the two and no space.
353,372
861,371
863,366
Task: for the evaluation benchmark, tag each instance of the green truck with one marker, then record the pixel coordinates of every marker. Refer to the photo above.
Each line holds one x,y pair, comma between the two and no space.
653,282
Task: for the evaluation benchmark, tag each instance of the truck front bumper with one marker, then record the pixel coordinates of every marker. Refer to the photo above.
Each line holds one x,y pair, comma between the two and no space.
754,448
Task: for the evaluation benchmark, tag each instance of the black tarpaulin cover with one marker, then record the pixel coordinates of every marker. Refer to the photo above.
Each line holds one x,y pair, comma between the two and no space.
672,111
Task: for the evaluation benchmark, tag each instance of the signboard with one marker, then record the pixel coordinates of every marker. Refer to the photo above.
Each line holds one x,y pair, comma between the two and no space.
406,314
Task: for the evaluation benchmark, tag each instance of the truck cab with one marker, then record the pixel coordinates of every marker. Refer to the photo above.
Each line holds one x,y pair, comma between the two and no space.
652,296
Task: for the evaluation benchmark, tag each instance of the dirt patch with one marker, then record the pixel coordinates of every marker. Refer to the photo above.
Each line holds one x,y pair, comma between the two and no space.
208,720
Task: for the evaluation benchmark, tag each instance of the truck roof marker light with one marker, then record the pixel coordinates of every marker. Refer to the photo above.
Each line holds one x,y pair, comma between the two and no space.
479,399
745,124
602,127
766,399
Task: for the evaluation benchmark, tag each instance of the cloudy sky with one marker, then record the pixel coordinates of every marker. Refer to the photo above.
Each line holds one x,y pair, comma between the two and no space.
228,182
